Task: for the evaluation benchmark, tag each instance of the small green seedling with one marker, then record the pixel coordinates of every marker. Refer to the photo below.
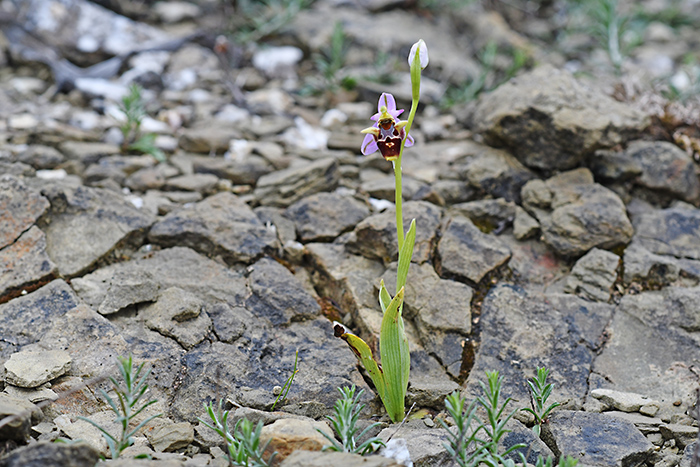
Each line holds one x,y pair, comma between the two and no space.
465,447
243,446
287,384
127,406
347,411
132,139
540,391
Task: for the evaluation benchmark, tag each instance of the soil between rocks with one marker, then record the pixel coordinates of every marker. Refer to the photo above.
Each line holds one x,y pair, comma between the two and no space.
557,218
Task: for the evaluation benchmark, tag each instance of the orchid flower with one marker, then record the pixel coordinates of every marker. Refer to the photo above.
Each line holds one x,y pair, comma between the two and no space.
388,132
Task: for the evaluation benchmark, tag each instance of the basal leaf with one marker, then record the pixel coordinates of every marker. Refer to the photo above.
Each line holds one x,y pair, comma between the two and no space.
364,353
396,359
405,256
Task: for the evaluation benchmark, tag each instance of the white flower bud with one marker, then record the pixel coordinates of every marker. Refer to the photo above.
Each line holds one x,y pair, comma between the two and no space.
422,50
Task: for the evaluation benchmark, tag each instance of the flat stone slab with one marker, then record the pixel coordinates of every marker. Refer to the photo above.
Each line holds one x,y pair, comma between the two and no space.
555,126
25,263
466,253
26,319
221,225
32,369
577,214
178,314
523,331
674,231
652,347
593,275
87,225
20,207
285,187
324,216
597,439
624,401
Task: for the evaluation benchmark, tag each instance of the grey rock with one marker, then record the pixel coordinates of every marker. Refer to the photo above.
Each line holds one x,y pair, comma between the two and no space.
338,459
241,171
624,401
221,225
26,319
682,434
495,172
375,237
285,187
466,253
643,423
488,214
88,225
32,369
424,444
689,452
18,427
248,370
126,289
666,168
524,225
430,391
208,136
285,228
20,207
166,436
178,314
454,191
610,166
523,331
576,214
201,183
674,231
25,264
598,439
593,275
87,152
557,126
385,188
229,323
172,267
17,169
641,264
277,295
41,157
324,216
49,454
287,435
520,434
126,462
651,346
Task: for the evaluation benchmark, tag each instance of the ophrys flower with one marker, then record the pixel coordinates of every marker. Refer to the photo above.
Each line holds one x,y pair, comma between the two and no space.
388,131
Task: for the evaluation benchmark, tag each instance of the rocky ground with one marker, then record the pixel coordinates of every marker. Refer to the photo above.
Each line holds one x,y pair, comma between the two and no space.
557,218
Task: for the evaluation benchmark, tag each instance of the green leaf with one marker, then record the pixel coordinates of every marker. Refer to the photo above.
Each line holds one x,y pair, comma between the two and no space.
364,353
384,297
396,359
405,256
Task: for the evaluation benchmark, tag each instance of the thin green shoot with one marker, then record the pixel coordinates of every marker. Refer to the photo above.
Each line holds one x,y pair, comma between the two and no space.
282,396
540,391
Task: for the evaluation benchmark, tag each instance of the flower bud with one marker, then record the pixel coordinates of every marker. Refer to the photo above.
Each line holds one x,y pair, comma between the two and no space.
422,50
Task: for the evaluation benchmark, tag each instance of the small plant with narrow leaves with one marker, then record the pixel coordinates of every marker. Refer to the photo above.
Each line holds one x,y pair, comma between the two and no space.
128,405
347,411
243,446
282,396
464,445
132,139
540,391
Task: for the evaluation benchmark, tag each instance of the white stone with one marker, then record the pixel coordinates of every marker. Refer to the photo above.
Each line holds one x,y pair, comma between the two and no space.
332,118
275,61
29,369
623,401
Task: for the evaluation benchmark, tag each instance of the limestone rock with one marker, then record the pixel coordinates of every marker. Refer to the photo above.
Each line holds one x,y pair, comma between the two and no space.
201,183
21,411
221,225
674,231
27,318
425,445
127,288
597,439
25,263
593,275
20,207
337,459
50,454
285,187
665,168
576,214
31,369
682,434
324,216
166,436
178,314
557,126
87,225
241,171
289,435
467,253
488,214
624,401
277,294
375,237
524,225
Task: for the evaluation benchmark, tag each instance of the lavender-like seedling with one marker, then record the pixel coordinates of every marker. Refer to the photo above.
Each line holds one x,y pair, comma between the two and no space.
243,447
464,445
347,411
540,391
126,407
390,135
